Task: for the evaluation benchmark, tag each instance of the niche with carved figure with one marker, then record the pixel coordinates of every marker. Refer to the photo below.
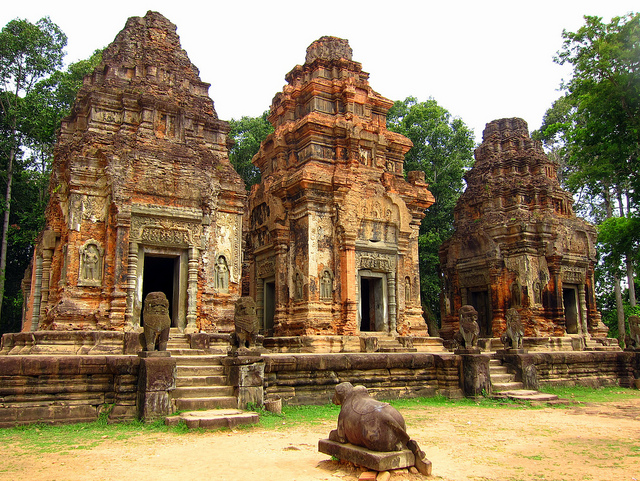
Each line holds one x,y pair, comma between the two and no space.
91,260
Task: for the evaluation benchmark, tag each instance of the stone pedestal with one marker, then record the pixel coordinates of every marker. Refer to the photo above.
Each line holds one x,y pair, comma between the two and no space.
156,378
246,375
475,374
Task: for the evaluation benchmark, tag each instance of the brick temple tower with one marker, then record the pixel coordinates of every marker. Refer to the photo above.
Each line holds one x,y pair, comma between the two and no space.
334,224
518,244
143,196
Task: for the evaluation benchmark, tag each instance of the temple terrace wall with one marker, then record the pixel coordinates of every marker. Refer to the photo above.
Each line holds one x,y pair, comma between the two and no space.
68,389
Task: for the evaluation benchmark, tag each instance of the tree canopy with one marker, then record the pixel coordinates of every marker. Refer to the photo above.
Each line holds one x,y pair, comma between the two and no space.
35,93
443,149
247,134
595,129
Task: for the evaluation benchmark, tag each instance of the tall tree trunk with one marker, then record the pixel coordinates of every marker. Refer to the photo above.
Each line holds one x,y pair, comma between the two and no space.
619,309
5,223
616,277
631,281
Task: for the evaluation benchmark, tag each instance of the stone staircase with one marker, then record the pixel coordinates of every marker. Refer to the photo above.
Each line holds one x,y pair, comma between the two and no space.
200,379
504,385
501,378
201,384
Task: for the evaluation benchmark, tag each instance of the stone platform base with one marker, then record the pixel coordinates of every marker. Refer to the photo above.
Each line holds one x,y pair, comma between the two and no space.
213,418
374,460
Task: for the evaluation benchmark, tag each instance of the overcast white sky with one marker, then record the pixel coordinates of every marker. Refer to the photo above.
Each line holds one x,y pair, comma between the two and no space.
481,60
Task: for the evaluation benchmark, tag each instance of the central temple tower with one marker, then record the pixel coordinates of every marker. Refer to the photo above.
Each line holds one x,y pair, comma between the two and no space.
334,224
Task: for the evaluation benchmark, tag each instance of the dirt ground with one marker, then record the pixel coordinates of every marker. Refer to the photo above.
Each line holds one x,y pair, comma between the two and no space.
584,442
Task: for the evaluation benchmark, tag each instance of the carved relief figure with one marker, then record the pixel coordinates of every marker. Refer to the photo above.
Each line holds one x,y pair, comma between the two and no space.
516,295
512,338
407,290
90,264
326,285
298,287
222,275
157,322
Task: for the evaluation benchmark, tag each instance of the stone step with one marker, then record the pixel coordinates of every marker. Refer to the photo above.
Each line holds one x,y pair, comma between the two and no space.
190,371
199,360
501,378
498,369
192,404
506,386
193,381
528,395
213,418
195,392
495,362
185,351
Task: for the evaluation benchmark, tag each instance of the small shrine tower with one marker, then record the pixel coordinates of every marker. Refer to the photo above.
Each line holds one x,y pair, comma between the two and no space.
143,197
518,244
333,226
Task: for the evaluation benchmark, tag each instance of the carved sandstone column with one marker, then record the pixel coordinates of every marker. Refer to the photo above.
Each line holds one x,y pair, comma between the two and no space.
391,286
37,293
132,271
120,271
192,291
583,311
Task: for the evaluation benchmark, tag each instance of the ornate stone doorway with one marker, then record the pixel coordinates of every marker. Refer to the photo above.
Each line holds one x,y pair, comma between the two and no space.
160,274
480,301
269,300
372,302
571,311
162,269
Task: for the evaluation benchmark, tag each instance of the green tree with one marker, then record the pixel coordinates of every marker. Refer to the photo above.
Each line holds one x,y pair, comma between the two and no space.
443,149
248,133
28,53
595,128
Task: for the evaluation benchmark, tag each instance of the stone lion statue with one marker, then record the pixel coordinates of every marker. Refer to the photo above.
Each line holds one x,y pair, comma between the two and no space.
469,329
512,338
157,322
246,323
634,334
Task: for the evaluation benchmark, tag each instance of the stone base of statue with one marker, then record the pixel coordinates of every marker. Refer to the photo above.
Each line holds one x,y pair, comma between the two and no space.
467,350
503,352
374,460
147,354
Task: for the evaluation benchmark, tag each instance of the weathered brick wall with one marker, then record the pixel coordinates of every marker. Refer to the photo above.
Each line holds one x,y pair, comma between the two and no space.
311,378
578,368
67,389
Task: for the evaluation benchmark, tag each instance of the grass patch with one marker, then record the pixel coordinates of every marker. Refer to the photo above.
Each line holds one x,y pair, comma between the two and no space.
589,394
42,438
46,438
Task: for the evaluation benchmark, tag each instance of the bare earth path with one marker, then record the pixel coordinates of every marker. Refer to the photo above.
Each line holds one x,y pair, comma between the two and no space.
590,442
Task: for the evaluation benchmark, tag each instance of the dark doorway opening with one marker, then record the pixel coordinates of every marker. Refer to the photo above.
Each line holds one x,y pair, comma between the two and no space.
159,275
570,310
371,304
480,302
269,306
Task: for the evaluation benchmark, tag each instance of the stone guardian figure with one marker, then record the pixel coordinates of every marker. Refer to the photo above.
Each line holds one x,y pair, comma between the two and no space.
469,329
372,424
157,322
512,338
246,323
